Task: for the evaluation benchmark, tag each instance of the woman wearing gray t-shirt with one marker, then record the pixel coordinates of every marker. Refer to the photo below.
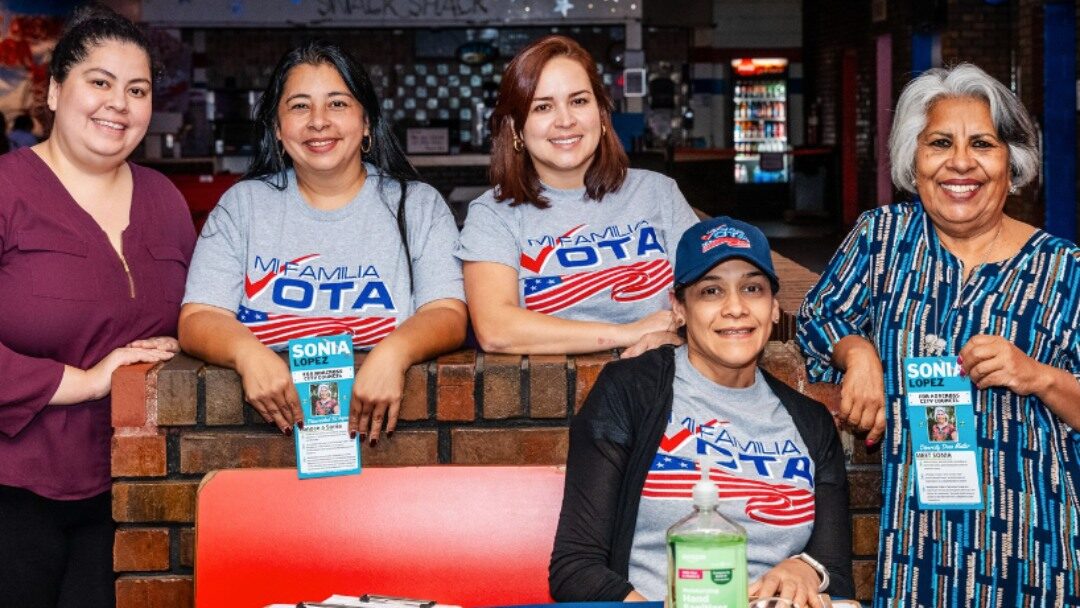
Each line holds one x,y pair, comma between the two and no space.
328,233
774,454
571,251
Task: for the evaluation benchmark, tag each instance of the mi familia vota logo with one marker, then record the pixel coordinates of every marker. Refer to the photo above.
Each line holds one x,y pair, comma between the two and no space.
582,247
724,235
302,284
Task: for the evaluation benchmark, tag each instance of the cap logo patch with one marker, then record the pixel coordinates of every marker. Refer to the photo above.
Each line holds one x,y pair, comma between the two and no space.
724,235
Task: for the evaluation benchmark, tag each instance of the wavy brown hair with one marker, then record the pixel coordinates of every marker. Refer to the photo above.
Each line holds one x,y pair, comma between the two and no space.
512,172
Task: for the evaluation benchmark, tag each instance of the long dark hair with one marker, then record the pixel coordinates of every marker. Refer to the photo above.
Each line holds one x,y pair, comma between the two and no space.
270,163
512,171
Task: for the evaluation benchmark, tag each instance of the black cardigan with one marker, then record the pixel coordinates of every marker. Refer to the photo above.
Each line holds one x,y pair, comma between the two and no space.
614,438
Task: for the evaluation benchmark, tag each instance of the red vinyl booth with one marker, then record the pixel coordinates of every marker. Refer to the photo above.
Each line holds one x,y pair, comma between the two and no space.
202,192
472,536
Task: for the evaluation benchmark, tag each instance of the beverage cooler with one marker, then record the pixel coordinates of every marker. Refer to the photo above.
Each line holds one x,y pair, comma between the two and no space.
759,120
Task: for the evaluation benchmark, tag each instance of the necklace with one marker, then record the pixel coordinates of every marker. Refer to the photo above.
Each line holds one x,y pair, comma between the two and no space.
934,345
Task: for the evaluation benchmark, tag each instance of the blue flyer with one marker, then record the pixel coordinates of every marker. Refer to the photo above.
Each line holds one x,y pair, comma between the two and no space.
942,419
322,370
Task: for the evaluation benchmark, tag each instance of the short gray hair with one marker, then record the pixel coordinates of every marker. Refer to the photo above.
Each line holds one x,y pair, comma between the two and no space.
1011,119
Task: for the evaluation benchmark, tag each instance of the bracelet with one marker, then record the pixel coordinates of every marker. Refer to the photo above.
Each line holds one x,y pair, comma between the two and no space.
816,565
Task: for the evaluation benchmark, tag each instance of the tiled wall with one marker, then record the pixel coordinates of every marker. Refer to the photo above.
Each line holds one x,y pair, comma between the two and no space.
413,89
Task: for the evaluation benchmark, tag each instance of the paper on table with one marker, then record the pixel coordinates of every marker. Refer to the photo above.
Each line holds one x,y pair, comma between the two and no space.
352,601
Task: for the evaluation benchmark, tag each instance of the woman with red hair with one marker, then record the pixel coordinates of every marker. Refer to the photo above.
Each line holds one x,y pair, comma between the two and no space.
570,251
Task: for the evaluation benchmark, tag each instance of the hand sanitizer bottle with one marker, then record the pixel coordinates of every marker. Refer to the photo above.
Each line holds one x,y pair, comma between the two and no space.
706,554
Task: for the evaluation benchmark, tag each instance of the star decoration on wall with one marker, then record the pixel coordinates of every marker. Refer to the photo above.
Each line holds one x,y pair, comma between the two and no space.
563,6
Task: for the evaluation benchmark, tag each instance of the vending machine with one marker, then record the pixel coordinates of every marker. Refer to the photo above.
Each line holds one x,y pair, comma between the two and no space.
760,120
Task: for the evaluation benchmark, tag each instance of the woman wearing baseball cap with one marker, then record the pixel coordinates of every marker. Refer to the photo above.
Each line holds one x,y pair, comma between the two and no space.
774,453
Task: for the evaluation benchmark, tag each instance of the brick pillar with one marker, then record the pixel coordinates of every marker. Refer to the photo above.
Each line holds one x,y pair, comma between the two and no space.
154,513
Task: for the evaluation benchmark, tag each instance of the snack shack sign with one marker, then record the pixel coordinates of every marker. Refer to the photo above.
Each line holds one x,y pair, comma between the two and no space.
377,13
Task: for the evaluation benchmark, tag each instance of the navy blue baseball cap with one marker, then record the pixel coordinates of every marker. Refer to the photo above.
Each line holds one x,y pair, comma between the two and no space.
716,240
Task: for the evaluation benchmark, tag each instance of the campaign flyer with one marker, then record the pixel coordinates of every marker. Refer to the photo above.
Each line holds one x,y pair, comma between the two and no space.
942,418
322,370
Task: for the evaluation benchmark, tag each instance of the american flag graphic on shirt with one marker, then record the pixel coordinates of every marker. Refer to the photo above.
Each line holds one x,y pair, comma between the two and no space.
275,330
672,477
628,283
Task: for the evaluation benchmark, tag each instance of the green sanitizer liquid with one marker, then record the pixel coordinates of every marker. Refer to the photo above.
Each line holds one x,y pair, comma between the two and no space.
706,555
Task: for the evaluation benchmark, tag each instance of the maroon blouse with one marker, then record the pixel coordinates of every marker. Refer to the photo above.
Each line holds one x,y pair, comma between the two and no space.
65,298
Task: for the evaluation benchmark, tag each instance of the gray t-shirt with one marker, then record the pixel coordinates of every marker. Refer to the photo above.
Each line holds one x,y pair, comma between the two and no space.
581,259
290,270
757,459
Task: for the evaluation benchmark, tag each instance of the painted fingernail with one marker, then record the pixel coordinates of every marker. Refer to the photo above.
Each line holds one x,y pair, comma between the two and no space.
374,442
363,437
959,360
962,372
352,434
389,434
300,425
288,431
870,443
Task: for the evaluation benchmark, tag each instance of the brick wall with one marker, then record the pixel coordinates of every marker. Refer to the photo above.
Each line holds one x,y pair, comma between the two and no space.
176,421
830,29
1005,40
1027,16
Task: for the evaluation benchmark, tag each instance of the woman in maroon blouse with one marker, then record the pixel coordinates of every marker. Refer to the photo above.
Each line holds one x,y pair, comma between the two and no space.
93,256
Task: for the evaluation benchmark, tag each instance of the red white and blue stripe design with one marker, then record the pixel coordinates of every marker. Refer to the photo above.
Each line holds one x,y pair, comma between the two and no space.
275,330
628,283
671,477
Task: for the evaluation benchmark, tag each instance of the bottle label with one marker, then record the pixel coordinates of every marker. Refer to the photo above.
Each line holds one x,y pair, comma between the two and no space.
710,576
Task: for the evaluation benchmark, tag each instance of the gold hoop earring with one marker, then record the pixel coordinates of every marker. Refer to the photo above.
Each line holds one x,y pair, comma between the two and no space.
518,144
365,148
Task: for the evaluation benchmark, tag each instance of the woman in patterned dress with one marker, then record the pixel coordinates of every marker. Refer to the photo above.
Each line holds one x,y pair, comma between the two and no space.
949,274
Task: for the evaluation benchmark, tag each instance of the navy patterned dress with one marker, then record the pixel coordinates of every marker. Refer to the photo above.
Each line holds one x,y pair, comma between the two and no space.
893,282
